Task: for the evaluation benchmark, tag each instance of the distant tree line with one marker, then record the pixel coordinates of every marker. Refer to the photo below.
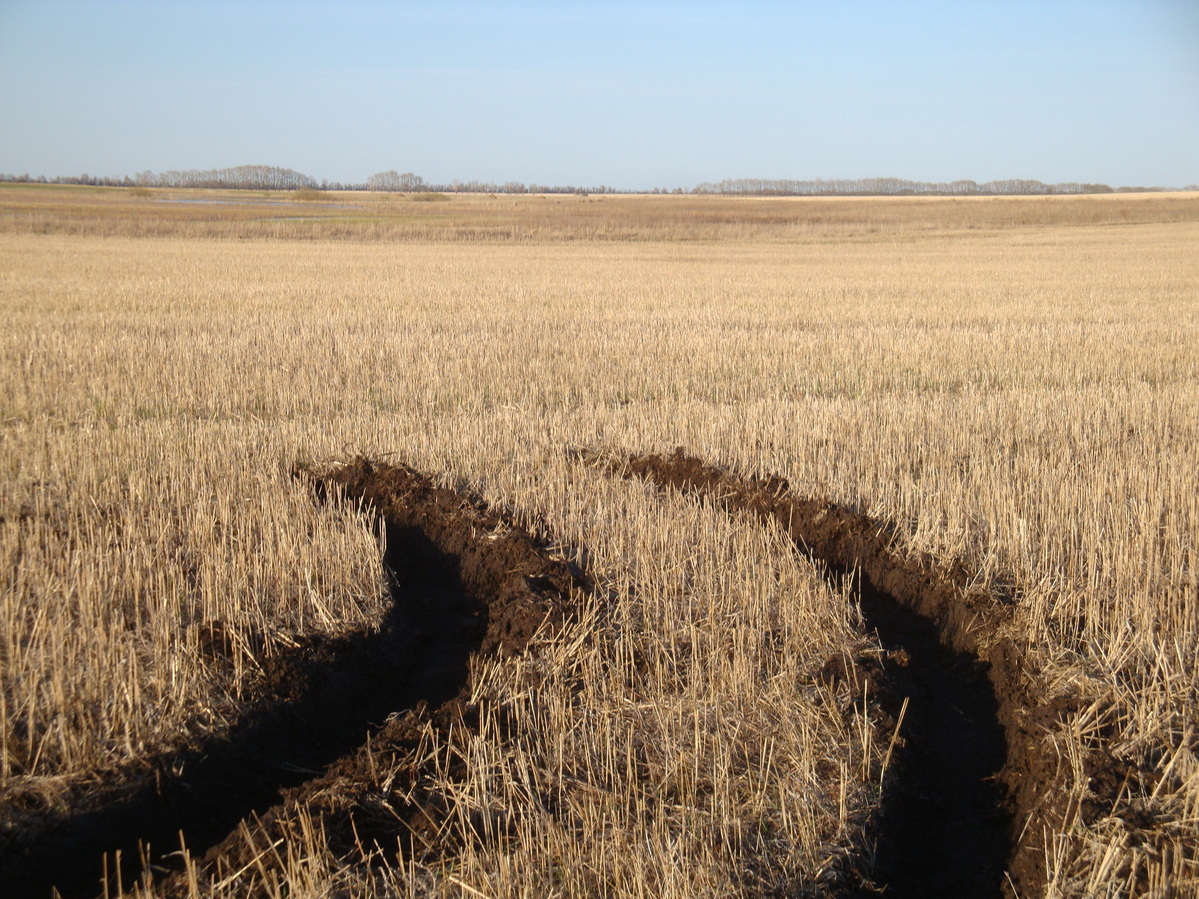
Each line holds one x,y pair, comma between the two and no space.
409,183
242,177
95,181
269,177
894,187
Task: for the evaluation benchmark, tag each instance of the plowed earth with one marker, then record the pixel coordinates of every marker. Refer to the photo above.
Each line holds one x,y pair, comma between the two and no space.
973,790
332,716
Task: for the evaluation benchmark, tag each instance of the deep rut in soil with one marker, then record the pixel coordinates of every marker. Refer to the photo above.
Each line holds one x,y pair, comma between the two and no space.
944,827
463,580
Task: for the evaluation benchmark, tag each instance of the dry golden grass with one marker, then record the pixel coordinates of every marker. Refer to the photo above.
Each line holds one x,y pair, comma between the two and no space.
1014,382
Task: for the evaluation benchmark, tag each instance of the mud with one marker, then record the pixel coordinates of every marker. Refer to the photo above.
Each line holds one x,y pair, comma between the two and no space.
971,791
330,714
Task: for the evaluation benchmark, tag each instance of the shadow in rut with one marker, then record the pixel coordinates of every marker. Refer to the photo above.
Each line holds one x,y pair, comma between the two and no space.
319,701
942,829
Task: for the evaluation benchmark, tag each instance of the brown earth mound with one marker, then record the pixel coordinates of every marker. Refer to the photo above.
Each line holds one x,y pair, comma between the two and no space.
974,793
330,714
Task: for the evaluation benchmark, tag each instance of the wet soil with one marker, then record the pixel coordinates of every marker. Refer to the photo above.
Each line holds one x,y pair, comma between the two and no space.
330,714
957,790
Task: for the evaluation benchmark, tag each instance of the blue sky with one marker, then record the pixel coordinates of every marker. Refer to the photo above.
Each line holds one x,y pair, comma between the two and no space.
634,95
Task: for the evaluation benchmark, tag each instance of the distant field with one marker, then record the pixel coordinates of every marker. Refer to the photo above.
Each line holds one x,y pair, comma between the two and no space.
279,472
316,215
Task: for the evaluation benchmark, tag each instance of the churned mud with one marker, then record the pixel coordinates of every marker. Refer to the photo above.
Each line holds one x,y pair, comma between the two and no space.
330,714
969,793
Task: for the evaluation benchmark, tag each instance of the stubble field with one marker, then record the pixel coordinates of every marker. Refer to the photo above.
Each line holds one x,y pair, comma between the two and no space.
347,540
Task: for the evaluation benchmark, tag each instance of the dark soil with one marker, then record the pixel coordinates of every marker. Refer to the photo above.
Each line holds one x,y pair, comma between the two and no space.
958,789
330,714
943,828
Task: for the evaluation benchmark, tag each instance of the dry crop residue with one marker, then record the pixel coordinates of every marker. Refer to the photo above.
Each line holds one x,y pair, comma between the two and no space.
973,793
329,716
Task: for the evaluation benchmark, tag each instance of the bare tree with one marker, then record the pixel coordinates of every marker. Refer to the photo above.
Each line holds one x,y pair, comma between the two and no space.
383,181
396,182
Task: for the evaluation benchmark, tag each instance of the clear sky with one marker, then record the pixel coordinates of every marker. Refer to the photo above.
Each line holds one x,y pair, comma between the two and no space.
629,94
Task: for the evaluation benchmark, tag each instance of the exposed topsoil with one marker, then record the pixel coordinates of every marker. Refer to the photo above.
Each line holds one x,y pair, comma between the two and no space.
973,791
327,717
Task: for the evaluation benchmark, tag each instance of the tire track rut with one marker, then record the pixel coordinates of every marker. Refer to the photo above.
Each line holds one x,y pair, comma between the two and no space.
966,779
329,712
971,800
